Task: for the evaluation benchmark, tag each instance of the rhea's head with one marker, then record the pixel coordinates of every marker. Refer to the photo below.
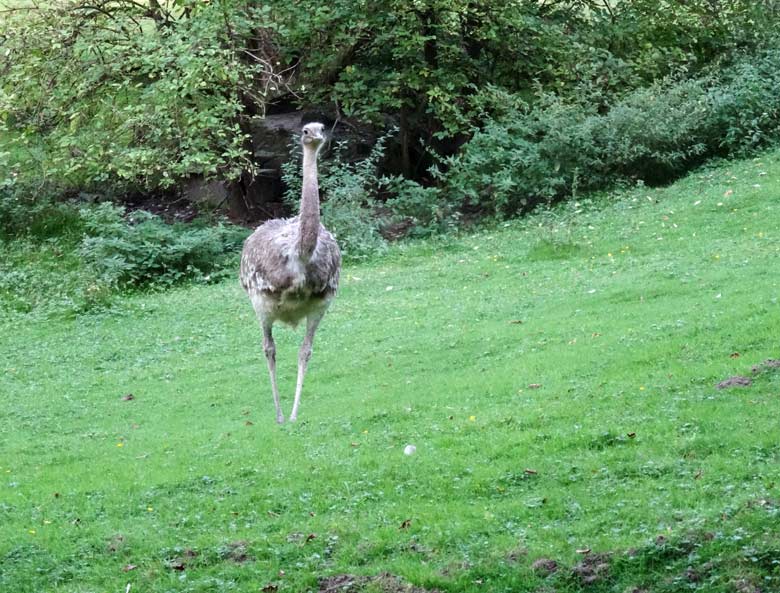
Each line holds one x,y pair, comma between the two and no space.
313,135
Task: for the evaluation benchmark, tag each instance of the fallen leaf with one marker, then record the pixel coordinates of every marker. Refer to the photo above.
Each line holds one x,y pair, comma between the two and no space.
534,385
530,472
128,398
310,537
129,567
406,523
249,423
697,475
734,355
516,321
631,435
583,551
269,588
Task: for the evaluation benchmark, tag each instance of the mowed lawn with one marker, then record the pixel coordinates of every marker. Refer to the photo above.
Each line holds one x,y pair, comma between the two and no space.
557,376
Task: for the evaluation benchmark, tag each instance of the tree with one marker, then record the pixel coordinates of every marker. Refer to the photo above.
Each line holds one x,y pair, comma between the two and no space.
141,96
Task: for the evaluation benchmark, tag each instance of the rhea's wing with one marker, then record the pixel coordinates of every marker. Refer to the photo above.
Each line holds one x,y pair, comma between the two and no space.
267,251
325,265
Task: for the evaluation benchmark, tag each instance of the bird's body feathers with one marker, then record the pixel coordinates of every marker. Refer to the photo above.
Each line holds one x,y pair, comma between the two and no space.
283,286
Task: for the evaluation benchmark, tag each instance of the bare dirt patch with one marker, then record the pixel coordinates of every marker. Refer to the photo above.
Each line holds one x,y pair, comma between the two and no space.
593,568
544,566
385,582
736,381
770,364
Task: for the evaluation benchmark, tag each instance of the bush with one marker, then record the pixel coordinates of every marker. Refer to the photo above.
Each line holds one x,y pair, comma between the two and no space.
555,148
140,249
27,211
105,251
423,209
530,156
746,108
133,94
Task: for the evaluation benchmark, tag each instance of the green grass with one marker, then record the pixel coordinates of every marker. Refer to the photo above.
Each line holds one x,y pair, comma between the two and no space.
557,376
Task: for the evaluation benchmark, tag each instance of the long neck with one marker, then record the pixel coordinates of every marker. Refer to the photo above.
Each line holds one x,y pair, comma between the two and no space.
309,219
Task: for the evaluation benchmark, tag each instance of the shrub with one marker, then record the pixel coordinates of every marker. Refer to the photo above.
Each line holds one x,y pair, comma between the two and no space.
746,107
529,156
553,149
26,211
656,133
140,249
423,209
105,251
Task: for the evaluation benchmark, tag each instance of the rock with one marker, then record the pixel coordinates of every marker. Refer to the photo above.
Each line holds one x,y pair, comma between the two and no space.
212,193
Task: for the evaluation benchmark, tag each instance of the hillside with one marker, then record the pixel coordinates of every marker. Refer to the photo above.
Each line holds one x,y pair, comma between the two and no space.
557,376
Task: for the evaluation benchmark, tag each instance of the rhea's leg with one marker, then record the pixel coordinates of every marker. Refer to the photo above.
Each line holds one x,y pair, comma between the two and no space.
270,355
304,354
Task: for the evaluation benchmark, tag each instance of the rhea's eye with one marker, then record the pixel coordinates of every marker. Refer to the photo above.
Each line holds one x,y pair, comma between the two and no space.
306,132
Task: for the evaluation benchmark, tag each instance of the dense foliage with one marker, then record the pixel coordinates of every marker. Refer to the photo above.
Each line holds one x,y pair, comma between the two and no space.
497,107
70,256
125,93
119,94
555,148
143,250
440,65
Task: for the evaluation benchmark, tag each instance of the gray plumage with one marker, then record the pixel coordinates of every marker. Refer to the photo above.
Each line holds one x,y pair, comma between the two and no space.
286,287
290,269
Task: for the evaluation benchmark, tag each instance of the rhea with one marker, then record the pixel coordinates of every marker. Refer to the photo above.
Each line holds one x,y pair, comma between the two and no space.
290,269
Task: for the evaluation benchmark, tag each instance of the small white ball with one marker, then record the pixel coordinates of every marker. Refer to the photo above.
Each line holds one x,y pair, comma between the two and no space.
409,450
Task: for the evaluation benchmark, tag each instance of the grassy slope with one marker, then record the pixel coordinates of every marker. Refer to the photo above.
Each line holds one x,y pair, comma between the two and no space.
631,313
